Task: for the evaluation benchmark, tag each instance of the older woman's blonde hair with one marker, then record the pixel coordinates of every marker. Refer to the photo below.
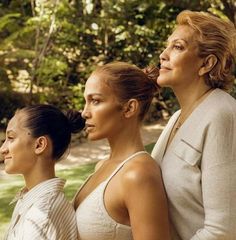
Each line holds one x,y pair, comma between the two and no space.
215,36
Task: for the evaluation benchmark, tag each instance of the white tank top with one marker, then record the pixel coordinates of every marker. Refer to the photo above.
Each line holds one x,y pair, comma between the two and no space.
93,220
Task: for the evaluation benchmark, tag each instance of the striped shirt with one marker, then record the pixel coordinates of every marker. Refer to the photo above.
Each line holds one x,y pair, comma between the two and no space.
43,213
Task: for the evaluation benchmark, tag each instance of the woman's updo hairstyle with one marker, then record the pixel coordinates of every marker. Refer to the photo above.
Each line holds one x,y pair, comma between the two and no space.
130,82
44,119
215,36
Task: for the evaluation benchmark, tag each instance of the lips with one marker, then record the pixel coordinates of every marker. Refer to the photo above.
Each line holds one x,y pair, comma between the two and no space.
165,68
6,159
89,127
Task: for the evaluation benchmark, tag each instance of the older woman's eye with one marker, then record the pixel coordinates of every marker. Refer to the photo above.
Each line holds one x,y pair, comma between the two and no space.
178,47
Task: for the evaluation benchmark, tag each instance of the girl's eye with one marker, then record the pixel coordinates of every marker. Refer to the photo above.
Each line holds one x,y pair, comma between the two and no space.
10,138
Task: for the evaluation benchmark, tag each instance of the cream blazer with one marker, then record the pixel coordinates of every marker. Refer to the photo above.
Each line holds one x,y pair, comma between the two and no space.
199,170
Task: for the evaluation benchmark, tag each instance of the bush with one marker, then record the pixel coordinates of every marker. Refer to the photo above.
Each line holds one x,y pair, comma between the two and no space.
9,102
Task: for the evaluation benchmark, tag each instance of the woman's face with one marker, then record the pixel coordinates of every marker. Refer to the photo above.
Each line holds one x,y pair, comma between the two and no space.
180,63
102,111
18,147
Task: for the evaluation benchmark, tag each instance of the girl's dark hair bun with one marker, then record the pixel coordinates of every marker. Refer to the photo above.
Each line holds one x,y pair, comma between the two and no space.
75,120
152,72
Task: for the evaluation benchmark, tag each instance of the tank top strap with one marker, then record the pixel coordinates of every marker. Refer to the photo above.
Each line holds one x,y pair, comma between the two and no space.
123,163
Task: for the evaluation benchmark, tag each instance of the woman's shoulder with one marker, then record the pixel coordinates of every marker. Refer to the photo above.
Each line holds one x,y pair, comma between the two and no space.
142,168
222,100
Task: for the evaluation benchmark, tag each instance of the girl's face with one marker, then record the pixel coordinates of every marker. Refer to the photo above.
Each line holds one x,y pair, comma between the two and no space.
18,148
102,111
180,63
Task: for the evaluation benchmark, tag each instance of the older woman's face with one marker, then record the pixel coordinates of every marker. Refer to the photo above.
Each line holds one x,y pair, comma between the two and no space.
180,63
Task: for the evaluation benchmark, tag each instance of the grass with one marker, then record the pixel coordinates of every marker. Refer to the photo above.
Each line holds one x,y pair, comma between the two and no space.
149,147
10,185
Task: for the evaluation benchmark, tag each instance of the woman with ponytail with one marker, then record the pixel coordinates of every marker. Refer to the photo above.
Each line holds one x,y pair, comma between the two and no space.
124,198
36,138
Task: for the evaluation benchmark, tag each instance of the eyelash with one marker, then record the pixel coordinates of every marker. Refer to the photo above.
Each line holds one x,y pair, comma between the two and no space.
10,138
95,101
178,47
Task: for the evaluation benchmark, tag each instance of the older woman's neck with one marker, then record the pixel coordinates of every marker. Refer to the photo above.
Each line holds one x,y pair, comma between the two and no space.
191,95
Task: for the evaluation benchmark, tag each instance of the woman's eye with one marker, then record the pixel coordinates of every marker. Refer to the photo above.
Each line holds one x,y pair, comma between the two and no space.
178,47
95,101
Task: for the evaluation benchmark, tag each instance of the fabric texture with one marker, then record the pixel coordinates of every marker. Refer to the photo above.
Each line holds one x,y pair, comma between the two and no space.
93,220
198,170
43,213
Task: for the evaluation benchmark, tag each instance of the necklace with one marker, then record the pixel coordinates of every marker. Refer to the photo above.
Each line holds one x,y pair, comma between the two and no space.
182,117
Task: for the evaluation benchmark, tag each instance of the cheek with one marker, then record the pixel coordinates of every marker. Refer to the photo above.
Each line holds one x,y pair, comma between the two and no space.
107,113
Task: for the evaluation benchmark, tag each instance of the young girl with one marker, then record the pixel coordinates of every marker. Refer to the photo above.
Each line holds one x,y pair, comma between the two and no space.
36,138
124,199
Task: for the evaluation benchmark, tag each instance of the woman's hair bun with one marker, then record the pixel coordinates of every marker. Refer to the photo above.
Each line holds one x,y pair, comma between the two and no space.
75,120
152,72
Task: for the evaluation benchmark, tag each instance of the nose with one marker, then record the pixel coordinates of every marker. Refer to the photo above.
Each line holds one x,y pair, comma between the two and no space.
164,55
85,113
4,149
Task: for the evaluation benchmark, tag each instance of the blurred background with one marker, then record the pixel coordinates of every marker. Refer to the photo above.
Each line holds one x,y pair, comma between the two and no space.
48,48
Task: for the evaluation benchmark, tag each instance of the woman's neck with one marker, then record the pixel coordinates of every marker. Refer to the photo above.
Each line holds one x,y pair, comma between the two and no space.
189,99
125,143
191,96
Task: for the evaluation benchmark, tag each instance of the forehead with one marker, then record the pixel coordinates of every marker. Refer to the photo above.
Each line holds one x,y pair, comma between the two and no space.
184,33
96,84
17,122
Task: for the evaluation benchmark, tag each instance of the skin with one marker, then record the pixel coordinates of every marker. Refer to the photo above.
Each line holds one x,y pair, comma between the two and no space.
181,67
26,155
139,192
184,71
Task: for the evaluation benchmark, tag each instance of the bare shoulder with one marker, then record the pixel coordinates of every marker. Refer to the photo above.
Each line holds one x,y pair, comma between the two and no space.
99,164
141,170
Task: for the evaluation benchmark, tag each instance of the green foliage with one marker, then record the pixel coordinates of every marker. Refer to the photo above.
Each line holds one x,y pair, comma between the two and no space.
59,43
9,102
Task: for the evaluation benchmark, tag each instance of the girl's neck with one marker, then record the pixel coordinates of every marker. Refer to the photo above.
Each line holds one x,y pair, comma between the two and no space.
38,174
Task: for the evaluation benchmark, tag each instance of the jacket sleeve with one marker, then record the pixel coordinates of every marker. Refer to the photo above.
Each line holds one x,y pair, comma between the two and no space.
218,181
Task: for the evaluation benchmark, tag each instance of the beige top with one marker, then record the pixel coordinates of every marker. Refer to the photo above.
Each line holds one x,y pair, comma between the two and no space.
93,220
199,170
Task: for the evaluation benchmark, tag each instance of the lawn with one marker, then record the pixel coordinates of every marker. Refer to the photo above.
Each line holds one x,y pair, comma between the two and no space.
10,185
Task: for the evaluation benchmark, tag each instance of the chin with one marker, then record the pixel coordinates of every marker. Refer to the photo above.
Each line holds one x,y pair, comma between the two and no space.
163,82
93,137
9,171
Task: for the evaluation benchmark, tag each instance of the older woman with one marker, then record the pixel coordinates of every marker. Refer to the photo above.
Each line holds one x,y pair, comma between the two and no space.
197,149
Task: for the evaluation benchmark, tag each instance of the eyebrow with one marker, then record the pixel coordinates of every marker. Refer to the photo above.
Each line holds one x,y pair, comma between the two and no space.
177,39
10,131
92,94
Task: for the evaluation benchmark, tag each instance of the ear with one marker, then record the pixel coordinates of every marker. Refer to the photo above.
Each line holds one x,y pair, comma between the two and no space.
40,144
208,63
131,108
